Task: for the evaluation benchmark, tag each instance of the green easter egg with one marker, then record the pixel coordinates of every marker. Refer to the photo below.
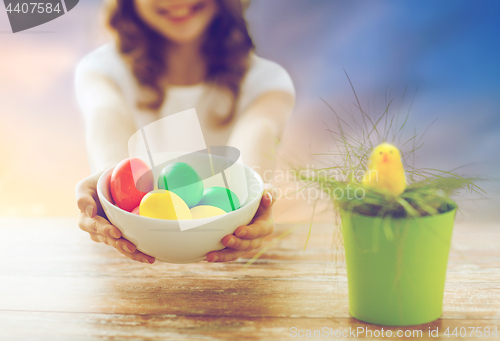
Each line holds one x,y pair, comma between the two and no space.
220,197
182,179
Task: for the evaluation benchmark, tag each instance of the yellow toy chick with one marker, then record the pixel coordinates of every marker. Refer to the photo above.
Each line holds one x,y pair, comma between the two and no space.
385,170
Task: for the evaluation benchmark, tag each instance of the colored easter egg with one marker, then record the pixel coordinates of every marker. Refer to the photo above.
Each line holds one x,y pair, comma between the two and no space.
136,210
163,204
205,211
182,179
130,181
220,197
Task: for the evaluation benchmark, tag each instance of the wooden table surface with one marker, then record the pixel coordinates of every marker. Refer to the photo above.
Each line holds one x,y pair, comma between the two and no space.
55,283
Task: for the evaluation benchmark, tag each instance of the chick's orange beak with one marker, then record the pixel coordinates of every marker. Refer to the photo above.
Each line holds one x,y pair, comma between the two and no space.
385,159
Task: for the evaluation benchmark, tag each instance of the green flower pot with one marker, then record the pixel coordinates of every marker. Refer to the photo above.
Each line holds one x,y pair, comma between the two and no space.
396,268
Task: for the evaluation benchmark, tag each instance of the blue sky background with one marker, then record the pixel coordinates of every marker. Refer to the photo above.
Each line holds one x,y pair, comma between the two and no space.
448,49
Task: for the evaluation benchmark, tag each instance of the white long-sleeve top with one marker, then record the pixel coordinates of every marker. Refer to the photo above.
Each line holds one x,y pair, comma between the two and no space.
111,115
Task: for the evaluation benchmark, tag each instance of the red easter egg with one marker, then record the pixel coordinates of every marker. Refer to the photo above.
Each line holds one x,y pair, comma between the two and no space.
136,210
130,181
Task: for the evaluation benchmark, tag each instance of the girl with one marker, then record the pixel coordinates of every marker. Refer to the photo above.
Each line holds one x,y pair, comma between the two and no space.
169,56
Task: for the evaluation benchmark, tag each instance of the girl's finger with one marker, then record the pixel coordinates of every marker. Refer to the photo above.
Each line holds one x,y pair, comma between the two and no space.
98,225
87,205
270,195
104,227
267,199
85,191
225,255
236,243
135,255
265,210
94,237
261,226
123,246
141,257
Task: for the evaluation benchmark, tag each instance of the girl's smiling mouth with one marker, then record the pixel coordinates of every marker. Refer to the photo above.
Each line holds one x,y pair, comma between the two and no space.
182,12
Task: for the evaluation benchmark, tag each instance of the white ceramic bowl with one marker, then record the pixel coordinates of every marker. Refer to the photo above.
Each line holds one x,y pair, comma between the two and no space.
164,240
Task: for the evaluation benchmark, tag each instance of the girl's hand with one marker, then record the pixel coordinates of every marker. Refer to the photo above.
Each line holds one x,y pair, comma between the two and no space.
93,220
247,238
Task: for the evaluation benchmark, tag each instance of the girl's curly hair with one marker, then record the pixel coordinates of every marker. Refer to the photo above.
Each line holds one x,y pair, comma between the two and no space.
226,50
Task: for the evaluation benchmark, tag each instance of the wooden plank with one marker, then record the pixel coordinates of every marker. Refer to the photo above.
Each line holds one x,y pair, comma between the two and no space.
65,326
236,295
